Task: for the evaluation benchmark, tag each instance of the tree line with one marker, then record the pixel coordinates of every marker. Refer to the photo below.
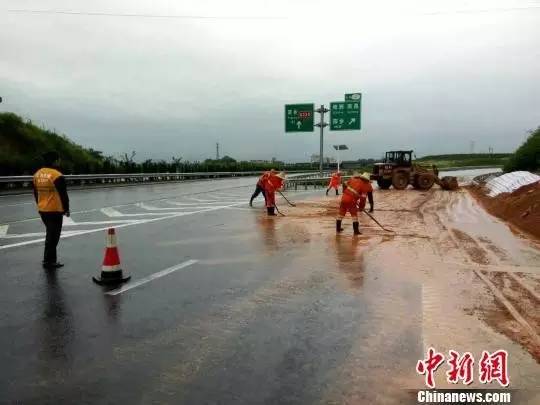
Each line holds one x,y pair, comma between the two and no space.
22,144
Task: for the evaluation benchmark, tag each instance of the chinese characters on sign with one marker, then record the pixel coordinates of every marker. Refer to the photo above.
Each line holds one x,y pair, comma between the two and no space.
492,367
345,115
299,117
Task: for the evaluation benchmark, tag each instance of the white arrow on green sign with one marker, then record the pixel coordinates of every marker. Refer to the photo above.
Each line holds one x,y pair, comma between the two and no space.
299,117
345,115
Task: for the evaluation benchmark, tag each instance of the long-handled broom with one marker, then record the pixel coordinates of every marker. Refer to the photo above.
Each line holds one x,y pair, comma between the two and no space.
290,203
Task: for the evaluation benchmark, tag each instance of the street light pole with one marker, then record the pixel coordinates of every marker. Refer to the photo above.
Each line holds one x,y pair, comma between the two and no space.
338,148
321,125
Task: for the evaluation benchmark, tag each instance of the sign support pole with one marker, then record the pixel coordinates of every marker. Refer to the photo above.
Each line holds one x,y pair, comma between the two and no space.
321,125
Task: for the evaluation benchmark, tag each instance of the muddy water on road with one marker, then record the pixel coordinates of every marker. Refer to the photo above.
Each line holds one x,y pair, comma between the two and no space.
451,277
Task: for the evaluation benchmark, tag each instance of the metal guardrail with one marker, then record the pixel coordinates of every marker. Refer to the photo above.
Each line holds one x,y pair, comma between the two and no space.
314,180
17,182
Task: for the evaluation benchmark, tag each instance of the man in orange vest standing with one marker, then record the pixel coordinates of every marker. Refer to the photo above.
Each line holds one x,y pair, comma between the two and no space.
52,200
259,188
354,196
335,182
274,182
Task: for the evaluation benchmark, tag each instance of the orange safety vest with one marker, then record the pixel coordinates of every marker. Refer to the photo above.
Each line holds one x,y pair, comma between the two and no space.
335,180
262,179
273,183
356,189
48,198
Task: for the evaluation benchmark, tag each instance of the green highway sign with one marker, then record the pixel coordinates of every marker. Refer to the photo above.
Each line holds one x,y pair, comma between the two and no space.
353,97
345,115
299,117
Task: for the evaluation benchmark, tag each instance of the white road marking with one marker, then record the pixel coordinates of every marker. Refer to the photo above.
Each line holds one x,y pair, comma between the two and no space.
116,221
151,277
202,200
149,207
228,196
33,235
3,230
111,212
242,209
144,221
68,221
23,235
16,205
200,204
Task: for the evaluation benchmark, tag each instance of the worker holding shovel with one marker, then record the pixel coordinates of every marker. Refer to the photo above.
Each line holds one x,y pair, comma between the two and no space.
259,188
274,182
335,182
355,192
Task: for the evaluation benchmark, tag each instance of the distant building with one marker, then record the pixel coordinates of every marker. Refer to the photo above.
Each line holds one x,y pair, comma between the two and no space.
326,160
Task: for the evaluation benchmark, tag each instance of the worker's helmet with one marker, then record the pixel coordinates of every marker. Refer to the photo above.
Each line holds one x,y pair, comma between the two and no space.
365,176
282,175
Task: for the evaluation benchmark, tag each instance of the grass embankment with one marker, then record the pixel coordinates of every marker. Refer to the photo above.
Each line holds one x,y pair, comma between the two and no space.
22,144
527,156
466,160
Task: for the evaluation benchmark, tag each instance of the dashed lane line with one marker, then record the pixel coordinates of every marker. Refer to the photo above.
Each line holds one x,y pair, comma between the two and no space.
128,204
111,212
151,277
142,221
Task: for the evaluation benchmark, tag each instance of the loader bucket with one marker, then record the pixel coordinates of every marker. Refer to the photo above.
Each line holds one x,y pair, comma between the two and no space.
448,183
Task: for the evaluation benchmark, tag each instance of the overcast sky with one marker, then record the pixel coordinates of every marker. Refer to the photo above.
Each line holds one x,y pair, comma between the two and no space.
435,75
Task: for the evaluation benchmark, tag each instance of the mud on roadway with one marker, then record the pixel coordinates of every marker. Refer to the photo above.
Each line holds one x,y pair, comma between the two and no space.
460,275
277,310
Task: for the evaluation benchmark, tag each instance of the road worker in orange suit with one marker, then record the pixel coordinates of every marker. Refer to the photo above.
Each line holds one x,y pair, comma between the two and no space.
259,188
274,182
52,202
335,182
354,196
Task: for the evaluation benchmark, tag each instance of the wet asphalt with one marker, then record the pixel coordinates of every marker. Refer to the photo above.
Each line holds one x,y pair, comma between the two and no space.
265,316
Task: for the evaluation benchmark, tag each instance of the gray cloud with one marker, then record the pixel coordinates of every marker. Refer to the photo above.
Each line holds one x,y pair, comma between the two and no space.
175,86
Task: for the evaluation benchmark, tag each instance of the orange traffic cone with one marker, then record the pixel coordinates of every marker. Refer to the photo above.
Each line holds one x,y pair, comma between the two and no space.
111,273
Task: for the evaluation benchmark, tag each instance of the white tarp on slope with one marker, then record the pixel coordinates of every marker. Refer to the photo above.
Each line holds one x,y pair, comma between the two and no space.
509,182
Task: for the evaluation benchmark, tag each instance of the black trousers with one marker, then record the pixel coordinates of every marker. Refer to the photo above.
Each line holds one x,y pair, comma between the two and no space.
258,190
53,227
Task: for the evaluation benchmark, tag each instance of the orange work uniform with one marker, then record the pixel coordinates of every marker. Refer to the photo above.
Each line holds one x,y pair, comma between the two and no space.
354,195
335,181
263,177
270,185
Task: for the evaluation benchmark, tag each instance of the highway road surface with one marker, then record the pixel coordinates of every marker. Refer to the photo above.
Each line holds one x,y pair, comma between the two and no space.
228,306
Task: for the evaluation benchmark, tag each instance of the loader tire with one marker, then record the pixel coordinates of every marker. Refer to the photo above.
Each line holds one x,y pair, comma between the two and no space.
449,183
425,181
384,184
400,180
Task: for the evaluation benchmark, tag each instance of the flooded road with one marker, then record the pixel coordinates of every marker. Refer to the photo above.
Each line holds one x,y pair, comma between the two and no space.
273,310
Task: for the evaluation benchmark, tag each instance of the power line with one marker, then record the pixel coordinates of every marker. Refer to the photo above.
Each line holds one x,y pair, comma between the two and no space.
137,15
252,17
480,11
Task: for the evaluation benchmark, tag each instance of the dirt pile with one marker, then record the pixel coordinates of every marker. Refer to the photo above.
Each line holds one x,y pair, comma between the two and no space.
521,208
